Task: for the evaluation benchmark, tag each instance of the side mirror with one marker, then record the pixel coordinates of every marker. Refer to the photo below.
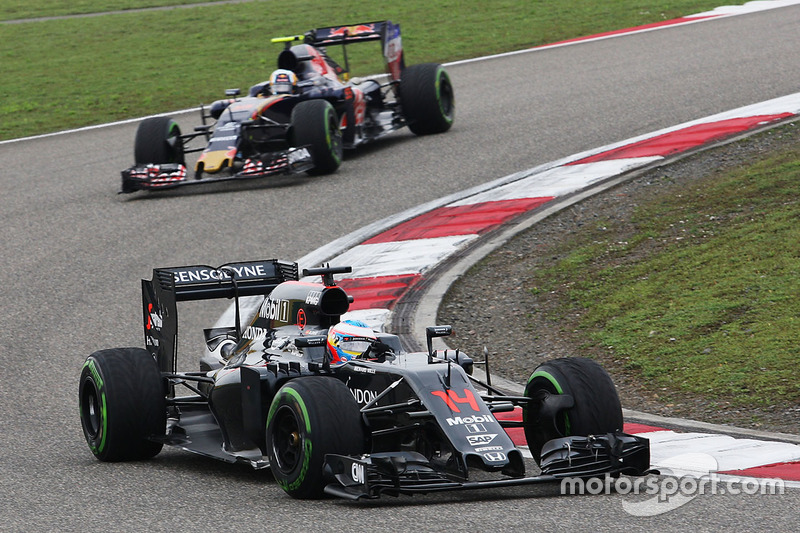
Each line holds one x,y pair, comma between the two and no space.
310,341
432,332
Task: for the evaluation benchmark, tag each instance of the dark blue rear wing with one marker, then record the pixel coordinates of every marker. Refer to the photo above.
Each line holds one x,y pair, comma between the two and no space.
384,30
178,284
367,31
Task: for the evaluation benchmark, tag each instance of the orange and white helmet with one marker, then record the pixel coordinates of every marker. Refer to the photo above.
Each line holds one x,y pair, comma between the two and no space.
349,339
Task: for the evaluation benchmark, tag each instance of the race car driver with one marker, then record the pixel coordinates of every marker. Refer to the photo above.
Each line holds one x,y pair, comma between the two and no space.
349,339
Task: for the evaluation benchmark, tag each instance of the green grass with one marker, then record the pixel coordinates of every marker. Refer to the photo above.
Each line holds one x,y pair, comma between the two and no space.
67,73
18,9
703,296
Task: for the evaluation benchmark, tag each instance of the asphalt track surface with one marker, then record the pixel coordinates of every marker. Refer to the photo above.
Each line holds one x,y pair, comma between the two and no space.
74,252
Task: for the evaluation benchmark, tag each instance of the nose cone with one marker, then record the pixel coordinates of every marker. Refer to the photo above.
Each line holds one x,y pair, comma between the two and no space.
212,161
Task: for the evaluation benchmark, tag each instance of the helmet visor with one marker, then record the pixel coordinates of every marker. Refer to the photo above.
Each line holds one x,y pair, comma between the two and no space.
282,87
354,347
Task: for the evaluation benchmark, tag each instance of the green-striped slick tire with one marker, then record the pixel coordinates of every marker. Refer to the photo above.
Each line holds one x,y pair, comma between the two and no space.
122,404
309,418
427,99
596,409
316,126
158,141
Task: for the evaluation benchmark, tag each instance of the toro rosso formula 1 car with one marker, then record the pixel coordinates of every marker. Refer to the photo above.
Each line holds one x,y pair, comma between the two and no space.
332,407
302,118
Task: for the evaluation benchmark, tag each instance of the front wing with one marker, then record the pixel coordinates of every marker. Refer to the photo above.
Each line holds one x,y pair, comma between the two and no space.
396,473
171,175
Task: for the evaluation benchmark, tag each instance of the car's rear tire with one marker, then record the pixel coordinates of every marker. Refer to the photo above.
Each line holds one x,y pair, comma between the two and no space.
427,98
596,409
122,404
158,141
315,124
309,418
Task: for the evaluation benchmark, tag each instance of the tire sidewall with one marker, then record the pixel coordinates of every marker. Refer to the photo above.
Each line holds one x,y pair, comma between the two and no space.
427,98
444,92
92,394
328,421
290,479
151,145
315,124
596,408
126,389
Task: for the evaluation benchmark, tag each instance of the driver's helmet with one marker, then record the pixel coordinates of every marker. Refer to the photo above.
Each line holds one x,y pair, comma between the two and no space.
283,81
349,339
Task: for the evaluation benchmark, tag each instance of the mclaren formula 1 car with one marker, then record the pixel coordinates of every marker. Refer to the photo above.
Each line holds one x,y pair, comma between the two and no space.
302,118
339,410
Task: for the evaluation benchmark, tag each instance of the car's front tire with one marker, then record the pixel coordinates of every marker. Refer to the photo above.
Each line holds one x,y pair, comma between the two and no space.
158,141
309,418
315,125
122,404
596,408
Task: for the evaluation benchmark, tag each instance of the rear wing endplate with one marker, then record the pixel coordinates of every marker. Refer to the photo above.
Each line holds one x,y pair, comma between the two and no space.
201,282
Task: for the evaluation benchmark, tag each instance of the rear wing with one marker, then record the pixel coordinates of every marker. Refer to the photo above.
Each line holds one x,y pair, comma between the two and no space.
353,33
384,30
169,286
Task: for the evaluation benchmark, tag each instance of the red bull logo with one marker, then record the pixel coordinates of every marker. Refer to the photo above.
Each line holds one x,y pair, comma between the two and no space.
358,29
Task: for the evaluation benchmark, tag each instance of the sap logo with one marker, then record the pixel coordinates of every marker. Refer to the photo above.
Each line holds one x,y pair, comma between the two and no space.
477,440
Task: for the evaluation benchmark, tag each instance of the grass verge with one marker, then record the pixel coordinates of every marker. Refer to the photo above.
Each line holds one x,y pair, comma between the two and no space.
696,294
15,10
67,73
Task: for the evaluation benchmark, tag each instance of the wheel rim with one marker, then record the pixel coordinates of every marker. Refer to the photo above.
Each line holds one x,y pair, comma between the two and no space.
562,421
287,440
90,409
334,135
175,144
446,96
